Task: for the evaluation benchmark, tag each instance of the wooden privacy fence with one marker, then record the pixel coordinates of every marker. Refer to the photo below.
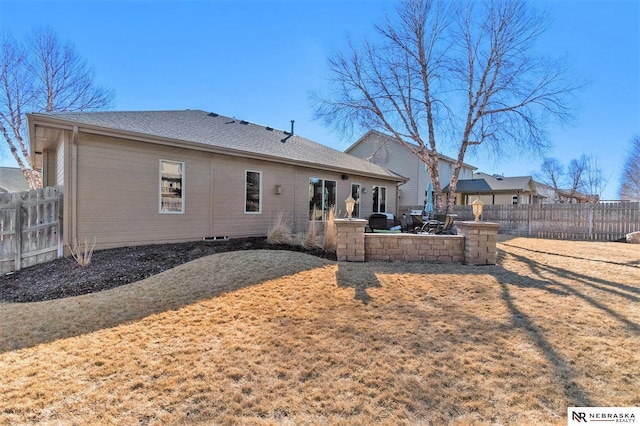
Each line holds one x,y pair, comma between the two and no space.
604,222
30,228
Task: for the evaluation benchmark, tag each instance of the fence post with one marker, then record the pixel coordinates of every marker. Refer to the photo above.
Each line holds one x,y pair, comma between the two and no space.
529,207
590,216
17,223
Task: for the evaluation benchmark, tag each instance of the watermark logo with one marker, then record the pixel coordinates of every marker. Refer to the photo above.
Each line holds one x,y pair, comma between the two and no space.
602,415
579,416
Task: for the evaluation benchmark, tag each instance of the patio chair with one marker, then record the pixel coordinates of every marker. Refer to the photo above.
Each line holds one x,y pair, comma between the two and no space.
406,221
431,227
378,221
417,223
446,228
440,227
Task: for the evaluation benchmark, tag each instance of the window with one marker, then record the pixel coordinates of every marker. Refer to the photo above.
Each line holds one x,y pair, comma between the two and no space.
253,192
514,199
322,197
379,199
355,194
171,186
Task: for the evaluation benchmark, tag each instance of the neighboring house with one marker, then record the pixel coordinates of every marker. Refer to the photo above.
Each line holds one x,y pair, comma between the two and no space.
497,189
12,180
564,196
134,178
388,152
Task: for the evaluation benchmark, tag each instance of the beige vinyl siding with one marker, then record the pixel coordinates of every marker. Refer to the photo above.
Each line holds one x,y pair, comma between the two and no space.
49,168
228,202
60,164
118,189
115,195
501,198
53,164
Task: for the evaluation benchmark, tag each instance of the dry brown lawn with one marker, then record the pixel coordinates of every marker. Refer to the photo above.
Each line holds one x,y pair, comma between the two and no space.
276,337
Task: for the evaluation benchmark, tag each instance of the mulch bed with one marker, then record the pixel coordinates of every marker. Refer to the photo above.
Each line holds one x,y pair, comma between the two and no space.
115,267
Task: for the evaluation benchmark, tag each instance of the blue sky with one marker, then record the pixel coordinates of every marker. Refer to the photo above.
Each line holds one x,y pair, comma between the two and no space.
258,59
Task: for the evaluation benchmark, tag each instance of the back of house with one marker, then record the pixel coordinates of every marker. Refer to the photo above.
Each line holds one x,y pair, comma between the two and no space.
147,177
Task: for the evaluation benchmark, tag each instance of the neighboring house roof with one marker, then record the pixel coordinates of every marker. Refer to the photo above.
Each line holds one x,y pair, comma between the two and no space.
215,133
390,138
12,180
485,183
568,194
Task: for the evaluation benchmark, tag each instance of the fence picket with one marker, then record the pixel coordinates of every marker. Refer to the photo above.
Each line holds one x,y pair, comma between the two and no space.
30,228
603,221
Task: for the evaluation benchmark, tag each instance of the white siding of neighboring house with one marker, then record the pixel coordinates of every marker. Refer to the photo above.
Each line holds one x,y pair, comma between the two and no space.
400,160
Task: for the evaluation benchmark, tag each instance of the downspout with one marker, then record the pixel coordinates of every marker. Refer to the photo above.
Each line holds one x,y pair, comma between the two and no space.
398,184
73,180
397,199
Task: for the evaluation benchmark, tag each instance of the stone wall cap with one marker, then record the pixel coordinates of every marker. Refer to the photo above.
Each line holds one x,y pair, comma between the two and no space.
474,224
354,221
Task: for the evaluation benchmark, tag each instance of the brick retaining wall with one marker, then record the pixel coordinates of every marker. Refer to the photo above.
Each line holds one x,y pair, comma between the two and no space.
475,244
414,247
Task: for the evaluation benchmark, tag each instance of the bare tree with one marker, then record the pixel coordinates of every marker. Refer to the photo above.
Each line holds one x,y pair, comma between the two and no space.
17,93
575,172
552,174
630,177
582,181
42,74
592,182
448,74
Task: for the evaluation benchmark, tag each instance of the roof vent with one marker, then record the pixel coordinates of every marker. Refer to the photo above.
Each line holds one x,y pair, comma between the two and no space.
244,122
287,133
269,128
213,114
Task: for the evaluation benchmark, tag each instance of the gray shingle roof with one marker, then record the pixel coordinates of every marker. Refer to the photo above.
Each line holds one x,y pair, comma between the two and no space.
217,131
488,183
394,140
12,180
470,185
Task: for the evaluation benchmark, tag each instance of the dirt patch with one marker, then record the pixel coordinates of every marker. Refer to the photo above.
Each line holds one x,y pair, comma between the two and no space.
115,267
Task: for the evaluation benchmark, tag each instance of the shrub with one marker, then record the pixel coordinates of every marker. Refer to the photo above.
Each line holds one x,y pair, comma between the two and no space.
280,232
311,240
82,253
330,231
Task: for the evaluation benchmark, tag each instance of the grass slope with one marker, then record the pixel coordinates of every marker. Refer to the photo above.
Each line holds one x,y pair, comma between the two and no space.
272,337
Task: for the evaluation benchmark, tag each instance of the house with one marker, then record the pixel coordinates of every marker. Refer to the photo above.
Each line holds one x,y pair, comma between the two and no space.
12,180
497,189
146,177
388,152
564,196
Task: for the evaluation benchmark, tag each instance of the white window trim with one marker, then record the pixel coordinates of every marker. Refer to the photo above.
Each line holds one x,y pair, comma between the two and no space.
259,194
182,186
